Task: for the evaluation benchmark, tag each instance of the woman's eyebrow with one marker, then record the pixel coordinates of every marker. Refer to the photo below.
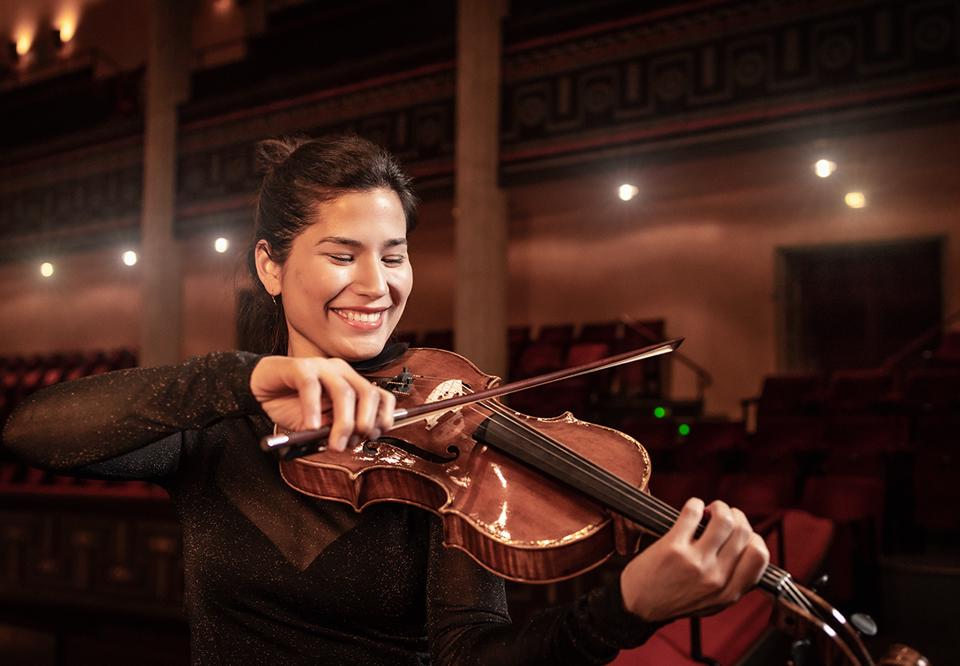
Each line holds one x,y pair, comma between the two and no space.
351,242
340,240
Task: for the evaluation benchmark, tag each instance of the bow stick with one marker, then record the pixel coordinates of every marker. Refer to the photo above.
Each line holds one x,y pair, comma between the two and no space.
283,443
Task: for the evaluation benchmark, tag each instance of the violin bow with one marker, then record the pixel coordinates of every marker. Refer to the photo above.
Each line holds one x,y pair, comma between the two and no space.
289,445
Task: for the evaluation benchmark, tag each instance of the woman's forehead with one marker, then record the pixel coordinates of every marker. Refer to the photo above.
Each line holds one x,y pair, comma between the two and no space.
368,214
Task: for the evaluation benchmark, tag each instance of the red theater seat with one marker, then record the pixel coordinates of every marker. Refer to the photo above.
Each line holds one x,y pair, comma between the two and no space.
788,434
605,332
868,432
936,482
675,488
558,334
855,504
713,436
758,495
858,390
932,389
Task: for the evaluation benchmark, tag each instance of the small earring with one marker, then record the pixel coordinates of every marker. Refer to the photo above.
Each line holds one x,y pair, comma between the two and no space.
275,303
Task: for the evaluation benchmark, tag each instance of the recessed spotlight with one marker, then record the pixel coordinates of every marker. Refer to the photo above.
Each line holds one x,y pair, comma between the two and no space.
824,168
855,199
221,245
130,258
627,191
46,269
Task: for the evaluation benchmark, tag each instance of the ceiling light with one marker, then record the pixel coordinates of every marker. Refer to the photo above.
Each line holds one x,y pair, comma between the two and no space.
46,269
221,245
130,258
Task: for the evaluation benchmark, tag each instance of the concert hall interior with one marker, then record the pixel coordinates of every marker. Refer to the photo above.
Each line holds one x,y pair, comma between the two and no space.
772,181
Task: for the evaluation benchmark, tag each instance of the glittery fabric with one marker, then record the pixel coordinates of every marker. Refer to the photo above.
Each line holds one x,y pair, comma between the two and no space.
275,577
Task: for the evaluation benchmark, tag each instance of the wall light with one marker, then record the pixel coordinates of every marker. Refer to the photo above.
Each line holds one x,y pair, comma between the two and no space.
22,44
627,191
855,199
66,27
221,245
130,258
46,269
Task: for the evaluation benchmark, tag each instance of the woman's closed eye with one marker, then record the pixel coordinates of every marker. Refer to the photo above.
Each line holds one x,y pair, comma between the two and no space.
395,259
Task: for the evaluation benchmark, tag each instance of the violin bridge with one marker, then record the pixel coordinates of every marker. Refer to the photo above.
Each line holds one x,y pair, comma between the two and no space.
450,388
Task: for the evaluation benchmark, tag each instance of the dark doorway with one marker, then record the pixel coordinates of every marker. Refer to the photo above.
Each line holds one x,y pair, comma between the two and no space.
853,305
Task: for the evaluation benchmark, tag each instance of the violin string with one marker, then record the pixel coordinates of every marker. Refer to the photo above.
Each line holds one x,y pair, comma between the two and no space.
773,576
661,514
561,454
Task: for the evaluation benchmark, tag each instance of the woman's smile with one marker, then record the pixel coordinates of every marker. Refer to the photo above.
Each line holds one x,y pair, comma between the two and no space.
365,319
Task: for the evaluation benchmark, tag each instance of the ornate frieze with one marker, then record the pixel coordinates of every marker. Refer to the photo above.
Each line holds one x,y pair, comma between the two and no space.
647,82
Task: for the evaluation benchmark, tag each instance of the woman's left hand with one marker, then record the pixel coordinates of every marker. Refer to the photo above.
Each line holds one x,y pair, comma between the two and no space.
685,574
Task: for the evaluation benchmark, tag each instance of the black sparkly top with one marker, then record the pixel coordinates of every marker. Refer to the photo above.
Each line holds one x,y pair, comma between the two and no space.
275,577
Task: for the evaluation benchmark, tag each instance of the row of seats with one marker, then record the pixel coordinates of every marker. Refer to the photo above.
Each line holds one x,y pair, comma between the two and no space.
18,477
921,461
553,347
921,389
23,375
19,377
779,436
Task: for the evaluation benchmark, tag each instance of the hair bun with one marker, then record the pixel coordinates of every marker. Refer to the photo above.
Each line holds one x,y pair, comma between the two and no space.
272,153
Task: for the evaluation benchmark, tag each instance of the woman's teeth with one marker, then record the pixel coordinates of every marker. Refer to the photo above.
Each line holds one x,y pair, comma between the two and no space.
351,315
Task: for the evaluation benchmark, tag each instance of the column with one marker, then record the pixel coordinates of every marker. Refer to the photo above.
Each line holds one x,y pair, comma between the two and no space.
480,303
169,54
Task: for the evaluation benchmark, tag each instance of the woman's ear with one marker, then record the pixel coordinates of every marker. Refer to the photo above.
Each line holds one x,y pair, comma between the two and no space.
268,270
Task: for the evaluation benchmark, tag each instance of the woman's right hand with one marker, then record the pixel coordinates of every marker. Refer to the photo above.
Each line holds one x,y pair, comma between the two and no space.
290,389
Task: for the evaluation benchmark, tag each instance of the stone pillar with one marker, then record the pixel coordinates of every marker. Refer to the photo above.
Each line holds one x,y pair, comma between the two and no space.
169,54
480,303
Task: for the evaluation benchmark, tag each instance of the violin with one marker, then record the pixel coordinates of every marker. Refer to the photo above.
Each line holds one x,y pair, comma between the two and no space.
533,500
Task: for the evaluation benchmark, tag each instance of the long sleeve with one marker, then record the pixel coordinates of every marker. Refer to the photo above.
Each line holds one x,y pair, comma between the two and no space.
130,423
468,622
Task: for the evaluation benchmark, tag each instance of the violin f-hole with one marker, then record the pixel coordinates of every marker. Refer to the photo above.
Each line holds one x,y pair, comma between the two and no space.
414,450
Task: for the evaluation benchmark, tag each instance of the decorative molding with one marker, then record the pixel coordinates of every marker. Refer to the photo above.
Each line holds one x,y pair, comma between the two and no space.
711,72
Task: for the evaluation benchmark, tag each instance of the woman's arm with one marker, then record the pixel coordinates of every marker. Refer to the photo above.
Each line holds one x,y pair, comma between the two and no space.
129,423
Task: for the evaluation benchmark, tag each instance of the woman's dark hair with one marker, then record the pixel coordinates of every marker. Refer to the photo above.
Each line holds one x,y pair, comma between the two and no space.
301,173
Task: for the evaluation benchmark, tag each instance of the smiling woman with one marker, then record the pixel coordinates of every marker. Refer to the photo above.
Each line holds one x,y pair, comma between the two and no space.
273,576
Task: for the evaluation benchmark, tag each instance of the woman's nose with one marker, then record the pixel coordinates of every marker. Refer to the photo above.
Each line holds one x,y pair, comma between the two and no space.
370,278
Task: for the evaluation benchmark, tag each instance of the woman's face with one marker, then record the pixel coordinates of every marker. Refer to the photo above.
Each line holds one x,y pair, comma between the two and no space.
347,278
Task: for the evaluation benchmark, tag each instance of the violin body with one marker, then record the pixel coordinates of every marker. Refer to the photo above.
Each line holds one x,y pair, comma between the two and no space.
511,519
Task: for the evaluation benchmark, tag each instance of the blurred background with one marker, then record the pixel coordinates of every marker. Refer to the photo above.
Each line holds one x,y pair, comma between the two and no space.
776,181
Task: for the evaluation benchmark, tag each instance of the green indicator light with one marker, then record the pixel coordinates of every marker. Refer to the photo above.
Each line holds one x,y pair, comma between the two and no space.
683,429
659,412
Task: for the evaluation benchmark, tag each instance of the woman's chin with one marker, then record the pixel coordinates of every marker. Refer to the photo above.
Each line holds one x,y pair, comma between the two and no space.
361,350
